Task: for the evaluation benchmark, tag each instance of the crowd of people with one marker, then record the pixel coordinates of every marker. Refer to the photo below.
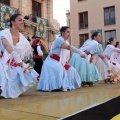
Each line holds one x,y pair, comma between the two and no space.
88,65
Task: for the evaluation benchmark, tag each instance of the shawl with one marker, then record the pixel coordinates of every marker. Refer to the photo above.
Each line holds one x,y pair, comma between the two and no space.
23,47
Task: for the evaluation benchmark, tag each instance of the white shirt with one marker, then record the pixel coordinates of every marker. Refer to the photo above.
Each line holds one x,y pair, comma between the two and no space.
86,43
39,50
109,50
93,47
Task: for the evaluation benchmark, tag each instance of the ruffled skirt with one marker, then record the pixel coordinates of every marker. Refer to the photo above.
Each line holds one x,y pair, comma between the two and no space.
73,77
14,81
87,71
101,67
55,76
115,69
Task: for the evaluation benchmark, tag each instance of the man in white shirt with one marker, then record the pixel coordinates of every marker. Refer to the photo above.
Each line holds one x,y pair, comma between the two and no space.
38,54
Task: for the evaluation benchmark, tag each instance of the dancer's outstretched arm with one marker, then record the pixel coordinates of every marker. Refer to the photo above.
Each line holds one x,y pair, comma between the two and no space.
105,61
73,49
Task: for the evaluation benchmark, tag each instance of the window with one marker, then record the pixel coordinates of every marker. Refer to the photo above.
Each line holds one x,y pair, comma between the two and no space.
109,15
6,2
36,8
109,34
83,20
83,38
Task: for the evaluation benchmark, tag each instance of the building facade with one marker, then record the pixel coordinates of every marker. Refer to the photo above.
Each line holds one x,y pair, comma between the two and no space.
68,22
68,17
87,16
43,9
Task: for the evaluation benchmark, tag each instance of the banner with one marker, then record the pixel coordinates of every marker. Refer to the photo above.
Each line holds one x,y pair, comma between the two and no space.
5,13
41,27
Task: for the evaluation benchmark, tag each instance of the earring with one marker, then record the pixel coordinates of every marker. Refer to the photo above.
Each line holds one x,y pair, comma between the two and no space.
13,26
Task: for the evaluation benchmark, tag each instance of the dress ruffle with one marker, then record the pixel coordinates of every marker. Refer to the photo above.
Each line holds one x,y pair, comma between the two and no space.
87,71
18,81
54,76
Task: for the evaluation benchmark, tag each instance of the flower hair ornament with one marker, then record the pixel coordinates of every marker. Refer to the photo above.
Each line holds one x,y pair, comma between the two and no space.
108,41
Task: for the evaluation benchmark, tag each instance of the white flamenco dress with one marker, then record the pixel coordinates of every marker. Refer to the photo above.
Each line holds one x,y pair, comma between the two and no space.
87,71
13,79
111,53
72,74
54,75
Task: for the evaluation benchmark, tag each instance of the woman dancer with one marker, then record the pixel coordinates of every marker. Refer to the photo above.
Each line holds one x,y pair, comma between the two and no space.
72,74
110,53
117,54
53,74
15,76
86,69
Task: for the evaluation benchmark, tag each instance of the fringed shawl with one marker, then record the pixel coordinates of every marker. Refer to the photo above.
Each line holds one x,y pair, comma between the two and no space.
23,47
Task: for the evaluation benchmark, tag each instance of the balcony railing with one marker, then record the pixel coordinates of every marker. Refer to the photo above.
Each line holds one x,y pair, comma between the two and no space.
32,18
17,11
83,25
6,2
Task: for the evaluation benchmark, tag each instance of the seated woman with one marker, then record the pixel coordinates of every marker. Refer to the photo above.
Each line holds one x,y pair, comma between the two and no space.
86,69
15,76
53,74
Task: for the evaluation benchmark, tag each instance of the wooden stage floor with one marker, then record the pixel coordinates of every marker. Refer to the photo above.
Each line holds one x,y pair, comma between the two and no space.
37,105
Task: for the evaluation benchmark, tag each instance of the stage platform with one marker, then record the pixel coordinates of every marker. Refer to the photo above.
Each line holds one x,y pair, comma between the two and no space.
37,105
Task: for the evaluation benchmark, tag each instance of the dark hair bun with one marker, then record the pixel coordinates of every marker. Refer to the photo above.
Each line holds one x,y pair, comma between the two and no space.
63,29
110,40
13,17
94,35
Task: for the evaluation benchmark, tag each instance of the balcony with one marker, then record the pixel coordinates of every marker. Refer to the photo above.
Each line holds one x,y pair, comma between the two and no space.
83,25
6,2
17,11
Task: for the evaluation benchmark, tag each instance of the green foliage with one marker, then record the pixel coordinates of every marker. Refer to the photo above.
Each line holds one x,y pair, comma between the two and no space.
45,54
